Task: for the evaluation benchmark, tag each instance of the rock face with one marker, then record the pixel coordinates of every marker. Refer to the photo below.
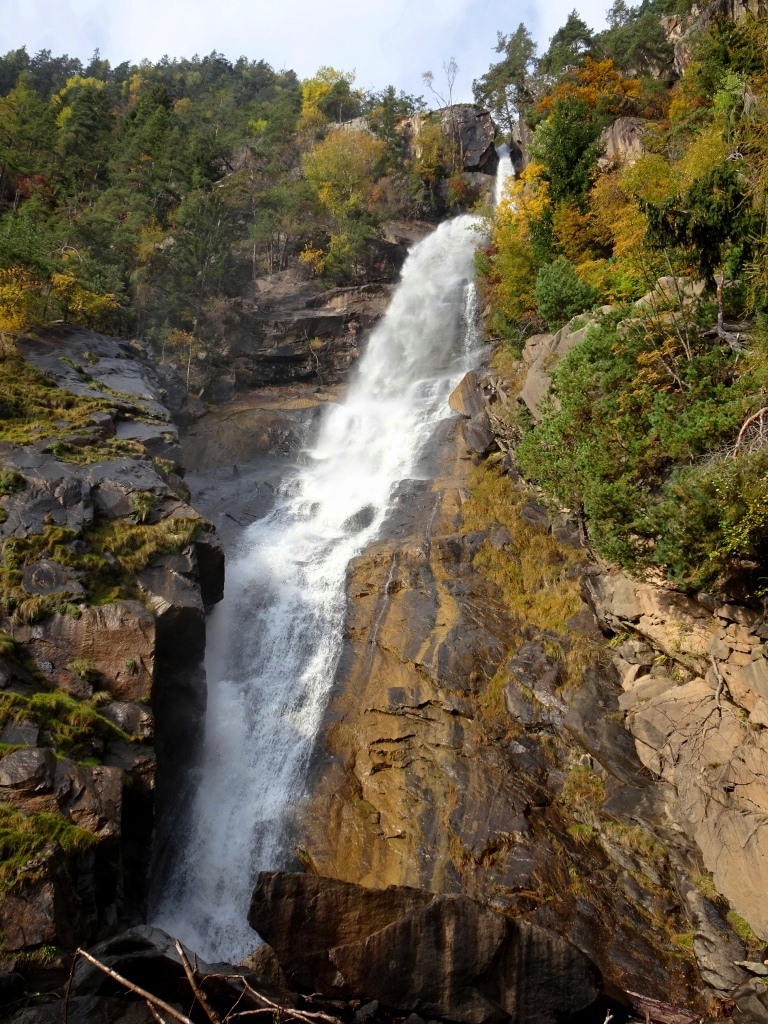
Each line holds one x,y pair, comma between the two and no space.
417,952
682,30
451,739
289,330
468,124
622,142
699,723
117,631
541,353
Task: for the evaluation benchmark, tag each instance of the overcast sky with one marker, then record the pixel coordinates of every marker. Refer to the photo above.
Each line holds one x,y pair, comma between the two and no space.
385,41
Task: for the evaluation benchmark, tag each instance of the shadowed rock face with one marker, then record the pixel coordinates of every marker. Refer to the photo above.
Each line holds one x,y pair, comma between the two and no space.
414,951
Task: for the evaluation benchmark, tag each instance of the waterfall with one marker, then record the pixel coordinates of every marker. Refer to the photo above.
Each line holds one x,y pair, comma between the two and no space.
275,640
504,172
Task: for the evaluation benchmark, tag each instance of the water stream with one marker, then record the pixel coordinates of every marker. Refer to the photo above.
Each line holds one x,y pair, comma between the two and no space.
275,640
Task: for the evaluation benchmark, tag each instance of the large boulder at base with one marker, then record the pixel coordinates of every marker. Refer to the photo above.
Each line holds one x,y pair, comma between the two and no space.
414,951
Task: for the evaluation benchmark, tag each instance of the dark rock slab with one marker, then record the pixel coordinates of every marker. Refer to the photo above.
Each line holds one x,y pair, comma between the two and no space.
46,577
419,952
477,434
28,771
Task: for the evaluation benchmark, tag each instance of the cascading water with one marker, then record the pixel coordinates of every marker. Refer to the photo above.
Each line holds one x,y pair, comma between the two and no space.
275,640
504,172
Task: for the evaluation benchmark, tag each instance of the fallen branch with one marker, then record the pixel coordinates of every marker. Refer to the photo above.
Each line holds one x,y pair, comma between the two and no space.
303,1015
192,978
152,1000
755,417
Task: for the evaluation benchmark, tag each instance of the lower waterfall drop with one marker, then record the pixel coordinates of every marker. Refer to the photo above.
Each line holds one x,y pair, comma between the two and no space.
275,640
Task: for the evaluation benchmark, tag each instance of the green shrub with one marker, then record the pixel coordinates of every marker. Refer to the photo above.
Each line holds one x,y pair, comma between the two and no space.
560,294
11,481
632,441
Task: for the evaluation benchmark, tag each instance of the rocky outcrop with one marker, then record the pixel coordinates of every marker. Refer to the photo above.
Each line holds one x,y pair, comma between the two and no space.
540,355
470,126
682,30
699,721
457,745
622,142
288,329
413,951
268,421
106,575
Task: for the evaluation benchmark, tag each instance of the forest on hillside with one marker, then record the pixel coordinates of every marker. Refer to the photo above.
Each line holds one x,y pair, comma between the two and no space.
141,200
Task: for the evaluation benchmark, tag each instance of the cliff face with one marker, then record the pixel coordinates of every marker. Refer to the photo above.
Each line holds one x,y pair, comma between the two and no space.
106,573
486,738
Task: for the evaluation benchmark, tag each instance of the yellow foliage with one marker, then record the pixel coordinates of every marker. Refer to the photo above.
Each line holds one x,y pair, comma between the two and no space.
599,84
574,232
79,303
342,167
651,179
707,151
313,258
20,299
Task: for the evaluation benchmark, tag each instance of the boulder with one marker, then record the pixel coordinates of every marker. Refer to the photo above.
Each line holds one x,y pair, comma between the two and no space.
467,397
413,951
478,434
542,352
90,797
27,772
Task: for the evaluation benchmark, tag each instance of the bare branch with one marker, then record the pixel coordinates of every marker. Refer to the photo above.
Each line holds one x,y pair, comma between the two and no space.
152,1000
192,978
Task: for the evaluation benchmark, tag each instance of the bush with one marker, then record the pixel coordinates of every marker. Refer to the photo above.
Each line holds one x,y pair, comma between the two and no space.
561,294
632,446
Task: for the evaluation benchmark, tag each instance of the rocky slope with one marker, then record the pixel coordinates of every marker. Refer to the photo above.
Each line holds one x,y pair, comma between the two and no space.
515,722
106,572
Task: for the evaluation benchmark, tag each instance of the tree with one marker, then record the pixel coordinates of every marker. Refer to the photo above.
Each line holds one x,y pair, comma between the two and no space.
567,47
506,89
568,144
342,169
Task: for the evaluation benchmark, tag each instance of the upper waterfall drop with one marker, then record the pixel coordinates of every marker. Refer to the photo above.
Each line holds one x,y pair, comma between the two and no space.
504,172
275,640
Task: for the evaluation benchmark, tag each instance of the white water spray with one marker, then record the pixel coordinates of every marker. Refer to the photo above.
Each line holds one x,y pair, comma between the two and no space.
504,172
275,640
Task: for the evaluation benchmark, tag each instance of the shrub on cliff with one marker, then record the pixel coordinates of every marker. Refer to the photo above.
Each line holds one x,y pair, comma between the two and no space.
561,294
637,417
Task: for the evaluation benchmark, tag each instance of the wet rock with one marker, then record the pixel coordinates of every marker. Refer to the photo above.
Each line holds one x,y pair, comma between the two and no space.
715,947
592,718
414,951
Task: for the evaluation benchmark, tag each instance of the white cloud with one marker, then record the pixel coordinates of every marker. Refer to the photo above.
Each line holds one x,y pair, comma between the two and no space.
386,41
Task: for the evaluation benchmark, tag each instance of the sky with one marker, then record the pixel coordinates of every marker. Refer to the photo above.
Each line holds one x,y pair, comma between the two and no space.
384,41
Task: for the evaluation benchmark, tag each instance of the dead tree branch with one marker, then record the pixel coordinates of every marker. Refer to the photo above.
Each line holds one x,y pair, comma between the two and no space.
147,996
193,978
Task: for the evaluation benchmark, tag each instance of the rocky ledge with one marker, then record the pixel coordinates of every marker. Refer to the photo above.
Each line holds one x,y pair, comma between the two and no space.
106,573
